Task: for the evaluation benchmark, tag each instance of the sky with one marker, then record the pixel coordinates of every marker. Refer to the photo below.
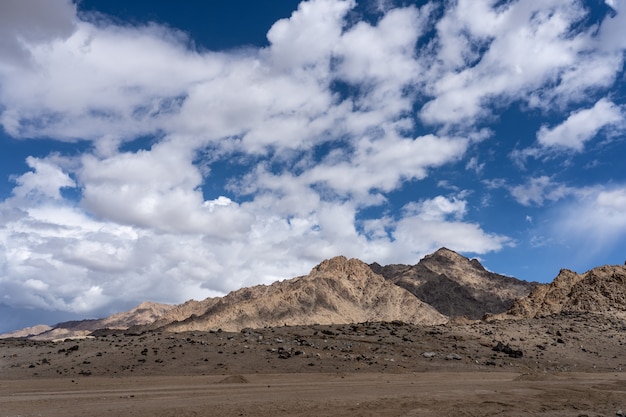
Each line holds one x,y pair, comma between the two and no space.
167,151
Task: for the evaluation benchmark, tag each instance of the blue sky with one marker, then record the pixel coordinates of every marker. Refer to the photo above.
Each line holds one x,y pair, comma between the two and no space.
163,151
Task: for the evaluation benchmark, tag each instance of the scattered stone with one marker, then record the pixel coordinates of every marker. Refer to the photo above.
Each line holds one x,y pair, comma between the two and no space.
507,349
429,354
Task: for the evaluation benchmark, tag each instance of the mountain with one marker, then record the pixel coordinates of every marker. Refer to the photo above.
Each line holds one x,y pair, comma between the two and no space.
144,313
455,285
338,290
600,290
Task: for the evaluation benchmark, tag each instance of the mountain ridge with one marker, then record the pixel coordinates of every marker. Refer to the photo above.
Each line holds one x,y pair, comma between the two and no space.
338,290
443,286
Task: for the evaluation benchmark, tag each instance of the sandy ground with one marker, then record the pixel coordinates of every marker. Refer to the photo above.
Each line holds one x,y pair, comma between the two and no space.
419,394
558,366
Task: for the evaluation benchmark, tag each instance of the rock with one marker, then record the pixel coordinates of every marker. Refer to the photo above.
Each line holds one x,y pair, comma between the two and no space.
454,356
513,353
429,354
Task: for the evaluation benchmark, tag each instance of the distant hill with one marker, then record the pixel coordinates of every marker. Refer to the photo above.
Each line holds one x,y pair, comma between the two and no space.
28,331
600,290
457,286
144,313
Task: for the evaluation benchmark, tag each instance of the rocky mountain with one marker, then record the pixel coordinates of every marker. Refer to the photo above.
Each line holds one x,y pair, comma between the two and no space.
601,290
441,286
144,313
455,285
338,290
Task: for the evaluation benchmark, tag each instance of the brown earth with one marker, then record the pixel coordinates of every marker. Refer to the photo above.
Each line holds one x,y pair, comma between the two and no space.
560,365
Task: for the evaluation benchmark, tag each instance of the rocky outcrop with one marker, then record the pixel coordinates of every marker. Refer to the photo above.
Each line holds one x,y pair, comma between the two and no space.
338,290
601,290
457,286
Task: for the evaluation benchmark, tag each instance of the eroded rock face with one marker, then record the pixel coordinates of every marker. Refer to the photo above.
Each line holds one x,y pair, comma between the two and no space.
600,290
338,290
457,286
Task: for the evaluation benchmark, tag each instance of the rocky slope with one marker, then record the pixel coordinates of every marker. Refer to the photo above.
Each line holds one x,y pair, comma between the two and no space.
336,291
455,285
601,290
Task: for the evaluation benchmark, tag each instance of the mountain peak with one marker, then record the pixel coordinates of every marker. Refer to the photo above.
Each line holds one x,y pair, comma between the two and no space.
342,267
444,254
458,286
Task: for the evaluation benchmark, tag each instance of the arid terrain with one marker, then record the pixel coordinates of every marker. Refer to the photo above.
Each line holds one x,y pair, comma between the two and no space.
355,339
562,365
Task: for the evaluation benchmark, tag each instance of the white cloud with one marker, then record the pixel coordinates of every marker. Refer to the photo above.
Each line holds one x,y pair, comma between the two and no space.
437,209
539,190
101,81
304,41
383,163
44,181
432,223
520,51
475,166
581,126
156,189
572,135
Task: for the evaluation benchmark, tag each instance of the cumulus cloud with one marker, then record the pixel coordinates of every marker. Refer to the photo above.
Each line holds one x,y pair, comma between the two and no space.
432,223
581,126
485,57
45,181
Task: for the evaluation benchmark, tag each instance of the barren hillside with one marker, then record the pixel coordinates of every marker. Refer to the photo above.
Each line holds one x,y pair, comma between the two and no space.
336,291
457,286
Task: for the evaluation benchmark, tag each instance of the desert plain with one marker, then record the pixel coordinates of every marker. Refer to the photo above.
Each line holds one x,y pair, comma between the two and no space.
559,365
